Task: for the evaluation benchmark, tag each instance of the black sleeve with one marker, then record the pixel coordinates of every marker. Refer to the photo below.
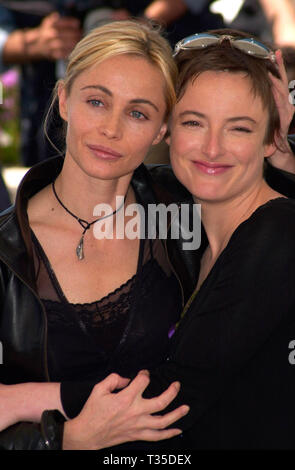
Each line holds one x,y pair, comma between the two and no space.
47,435
280,180
248,295
74,395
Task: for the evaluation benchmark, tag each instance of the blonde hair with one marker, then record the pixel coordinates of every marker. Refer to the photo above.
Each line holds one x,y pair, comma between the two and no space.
121,37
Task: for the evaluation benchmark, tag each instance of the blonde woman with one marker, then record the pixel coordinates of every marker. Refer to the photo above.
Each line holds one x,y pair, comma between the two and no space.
74,307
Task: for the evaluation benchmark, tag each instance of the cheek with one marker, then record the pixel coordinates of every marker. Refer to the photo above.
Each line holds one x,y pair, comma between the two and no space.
249,154
139,141
183,148
77,127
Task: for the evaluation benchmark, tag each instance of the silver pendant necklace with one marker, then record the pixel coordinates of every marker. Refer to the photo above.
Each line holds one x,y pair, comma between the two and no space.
84,224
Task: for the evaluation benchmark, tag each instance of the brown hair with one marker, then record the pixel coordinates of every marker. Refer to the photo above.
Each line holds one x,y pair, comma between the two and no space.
225,57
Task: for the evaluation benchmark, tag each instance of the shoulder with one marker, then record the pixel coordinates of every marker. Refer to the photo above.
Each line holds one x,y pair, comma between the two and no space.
270,229
274,214
6,215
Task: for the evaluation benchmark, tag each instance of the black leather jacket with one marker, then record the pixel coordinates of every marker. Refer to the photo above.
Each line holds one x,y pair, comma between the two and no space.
22,319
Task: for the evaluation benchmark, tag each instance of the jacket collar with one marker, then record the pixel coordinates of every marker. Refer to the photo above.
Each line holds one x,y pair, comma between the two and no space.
15,236
15,239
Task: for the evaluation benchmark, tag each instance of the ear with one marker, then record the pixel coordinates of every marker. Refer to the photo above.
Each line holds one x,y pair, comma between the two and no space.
269,150
168,133
160,135
62,101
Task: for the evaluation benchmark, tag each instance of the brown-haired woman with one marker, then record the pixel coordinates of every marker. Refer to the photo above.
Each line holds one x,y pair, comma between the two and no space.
231,349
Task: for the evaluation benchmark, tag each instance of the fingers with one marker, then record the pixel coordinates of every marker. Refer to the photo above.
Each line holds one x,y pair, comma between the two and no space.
280,88
67,23
137,386
282,83
155,426
280,91
113,382
282,98
58,36
60,22
162,422
154,435
281,66
159,403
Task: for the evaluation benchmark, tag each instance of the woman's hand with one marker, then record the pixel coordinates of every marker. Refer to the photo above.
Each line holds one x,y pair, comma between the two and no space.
108,419
283,158
27,401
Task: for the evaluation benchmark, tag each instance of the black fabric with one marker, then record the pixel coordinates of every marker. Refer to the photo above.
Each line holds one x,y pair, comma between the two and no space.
231,350
5,201
23,329
22,316
125,331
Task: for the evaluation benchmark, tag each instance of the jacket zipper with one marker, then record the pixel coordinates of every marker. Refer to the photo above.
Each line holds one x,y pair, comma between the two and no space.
47,377
171,265
185,306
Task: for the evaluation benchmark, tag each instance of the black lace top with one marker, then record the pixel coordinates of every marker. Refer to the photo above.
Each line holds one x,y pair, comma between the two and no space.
123,332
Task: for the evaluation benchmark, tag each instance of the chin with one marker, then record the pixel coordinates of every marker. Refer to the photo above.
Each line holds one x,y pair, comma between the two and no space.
204,192
104,171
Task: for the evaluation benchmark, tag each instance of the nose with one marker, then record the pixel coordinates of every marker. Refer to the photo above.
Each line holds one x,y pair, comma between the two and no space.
213,144
111,127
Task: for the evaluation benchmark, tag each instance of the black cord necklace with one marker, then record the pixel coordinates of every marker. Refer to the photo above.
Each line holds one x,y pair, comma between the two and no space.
84,224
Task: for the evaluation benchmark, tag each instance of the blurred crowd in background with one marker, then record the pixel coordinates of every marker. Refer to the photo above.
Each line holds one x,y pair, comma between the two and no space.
36,37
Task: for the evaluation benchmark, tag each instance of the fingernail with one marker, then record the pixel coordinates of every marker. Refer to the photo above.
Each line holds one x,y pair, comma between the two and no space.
186,409
177,385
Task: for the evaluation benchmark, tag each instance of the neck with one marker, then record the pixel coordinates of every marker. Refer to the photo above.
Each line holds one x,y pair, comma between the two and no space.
80,193
220,219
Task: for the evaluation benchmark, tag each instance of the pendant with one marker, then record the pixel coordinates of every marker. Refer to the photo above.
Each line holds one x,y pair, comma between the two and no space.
79,249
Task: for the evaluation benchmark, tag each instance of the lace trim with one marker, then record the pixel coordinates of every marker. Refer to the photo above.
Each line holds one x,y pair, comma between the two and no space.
56,285
106,310
101,300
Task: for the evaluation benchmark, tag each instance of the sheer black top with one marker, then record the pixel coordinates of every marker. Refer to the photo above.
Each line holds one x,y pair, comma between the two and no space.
123,332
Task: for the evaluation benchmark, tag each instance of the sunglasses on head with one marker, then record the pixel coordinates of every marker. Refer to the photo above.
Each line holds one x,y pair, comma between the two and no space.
247,45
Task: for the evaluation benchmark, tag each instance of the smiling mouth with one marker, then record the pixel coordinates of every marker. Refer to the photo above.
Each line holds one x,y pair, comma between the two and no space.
211,168
104,153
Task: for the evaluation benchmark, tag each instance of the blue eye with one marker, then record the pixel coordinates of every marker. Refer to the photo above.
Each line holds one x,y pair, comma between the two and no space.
95,103
138,115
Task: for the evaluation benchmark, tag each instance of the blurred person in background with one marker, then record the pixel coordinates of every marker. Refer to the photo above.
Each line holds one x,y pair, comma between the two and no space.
38,37
183,17
268,19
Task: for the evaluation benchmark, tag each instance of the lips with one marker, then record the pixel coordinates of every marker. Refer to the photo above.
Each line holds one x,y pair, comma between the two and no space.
211,168
105,153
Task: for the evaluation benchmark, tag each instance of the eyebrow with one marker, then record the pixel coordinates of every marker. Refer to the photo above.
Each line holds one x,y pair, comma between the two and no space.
232,119
109,93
